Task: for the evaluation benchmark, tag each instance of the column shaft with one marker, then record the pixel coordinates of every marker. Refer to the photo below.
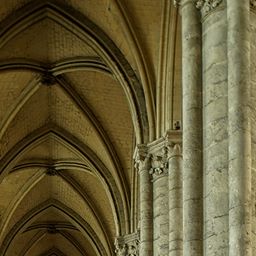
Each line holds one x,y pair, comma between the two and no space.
175,202
253,122
215,116
146,212
192,130
238,40
161,218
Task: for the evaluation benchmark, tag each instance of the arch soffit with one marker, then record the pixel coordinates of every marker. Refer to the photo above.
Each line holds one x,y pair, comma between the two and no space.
108,52
114,191
33,86
52,252
39,235
37,177
78,221
81,104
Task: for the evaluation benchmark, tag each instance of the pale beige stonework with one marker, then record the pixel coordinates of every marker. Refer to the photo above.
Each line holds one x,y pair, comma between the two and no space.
128,127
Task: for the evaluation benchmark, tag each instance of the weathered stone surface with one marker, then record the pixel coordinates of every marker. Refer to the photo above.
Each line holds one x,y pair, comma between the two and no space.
85,83
215,109
192,135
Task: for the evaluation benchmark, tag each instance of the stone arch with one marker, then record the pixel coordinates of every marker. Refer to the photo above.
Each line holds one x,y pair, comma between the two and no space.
72,215
103,45
115,193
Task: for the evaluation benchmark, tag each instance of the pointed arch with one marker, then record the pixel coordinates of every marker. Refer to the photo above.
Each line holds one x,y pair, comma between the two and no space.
82,225
39,235
86,30
31,89
53,251
37,177
114,191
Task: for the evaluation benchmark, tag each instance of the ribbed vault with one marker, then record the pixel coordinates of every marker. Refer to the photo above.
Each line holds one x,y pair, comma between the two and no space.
71,110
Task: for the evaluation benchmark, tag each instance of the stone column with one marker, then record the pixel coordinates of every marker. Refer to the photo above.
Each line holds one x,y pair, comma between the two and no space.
175,199
215,116
253,117
238,15
143,162
192,130
159,172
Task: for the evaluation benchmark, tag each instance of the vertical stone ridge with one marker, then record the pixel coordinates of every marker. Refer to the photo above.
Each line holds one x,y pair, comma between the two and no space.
159,172
192,130
174,157
143,165
152,162
238,15
215,146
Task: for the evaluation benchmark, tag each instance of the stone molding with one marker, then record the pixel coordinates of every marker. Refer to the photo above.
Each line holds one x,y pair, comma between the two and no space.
51,229
127,245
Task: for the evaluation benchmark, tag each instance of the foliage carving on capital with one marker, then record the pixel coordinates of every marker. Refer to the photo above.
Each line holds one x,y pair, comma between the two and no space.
174,150
159,164
142,159
143,163
120,250
127,245
133,248
207,6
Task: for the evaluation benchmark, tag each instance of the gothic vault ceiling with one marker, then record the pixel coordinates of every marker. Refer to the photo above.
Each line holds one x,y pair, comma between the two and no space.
76,95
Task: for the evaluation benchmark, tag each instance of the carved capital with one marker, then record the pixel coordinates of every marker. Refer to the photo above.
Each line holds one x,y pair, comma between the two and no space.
142,158
143,164
127,245
121,249
206,6
159,164
174,150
